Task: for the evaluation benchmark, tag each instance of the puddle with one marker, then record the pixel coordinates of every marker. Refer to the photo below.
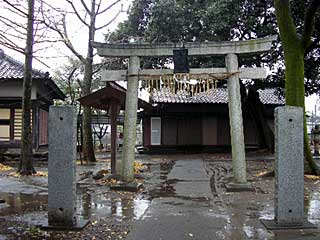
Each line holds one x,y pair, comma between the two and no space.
17,203
314,208
109,204
89,203
2,237
92,201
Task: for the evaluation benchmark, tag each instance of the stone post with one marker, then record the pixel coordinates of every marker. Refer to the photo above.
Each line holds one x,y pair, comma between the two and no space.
62,166
289,188
130,122
289,182
236,125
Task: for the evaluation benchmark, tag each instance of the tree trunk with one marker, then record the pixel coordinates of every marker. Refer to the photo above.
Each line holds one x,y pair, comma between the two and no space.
294,67
88,147
26,160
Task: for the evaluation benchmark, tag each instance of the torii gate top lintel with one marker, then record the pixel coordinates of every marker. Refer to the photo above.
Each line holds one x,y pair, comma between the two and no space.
194,48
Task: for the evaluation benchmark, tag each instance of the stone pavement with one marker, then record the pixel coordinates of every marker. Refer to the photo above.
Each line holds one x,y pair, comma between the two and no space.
191,203
188,213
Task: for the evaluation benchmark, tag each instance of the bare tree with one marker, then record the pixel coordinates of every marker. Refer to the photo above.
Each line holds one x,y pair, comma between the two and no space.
13,33
26,162
27,39
87,13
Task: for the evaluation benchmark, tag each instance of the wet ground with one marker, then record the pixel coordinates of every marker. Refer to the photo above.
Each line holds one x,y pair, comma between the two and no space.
184,198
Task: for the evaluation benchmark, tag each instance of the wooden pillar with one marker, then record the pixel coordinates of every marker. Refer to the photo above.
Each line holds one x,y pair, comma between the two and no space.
236,122
114,115
130,121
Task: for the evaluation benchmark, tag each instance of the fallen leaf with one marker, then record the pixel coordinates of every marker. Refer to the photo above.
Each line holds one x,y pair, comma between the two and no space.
311,177
5,167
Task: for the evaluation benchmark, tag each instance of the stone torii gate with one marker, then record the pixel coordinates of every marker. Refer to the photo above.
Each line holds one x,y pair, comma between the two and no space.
134,51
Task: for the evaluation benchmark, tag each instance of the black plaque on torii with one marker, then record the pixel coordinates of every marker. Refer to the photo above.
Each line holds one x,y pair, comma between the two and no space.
180,61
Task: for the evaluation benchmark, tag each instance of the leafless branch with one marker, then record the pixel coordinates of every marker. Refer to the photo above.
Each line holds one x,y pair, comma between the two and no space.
10,23
13,11
13,37
69,44
108,23
10,44
75,11
109,7
40,61
16,8
98,7
85,7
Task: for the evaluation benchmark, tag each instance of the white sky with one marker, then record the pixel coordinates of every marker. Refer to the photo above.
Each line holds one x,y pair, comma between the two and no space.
78,35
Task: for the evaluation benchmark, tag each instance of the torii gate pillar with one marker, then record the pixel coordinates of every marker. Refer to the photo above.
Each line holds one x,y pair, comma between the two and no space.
129,141
236,123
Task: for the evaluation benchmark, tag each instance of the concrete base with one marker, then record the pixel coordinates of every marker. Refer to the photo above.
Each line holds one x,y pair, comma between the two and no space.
129,187
272,225
80,224
240,187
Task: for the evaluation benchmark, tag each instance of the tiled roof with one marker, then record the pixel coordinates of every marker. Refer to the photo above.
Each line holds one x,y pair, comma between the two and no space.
11,68
214,95
270,96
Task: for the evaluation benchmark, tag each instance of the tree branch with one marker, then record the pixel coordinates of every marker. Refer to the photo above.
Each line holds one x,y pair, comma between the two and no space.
11,23
108,23
14,7
109,7
85,7
13,37
308,26
77,14
65,38
10,44
42,62
313,45
287,28
68,43
98,7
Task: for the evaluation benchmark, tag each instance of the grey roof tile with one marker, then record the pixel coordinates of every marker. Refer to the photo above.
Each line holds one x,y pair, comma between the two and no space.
11,68
214,95
270,96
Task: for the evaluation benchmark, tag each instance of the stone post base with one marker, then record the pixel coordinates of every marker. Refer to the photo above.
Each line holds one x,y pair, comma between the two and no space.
79,225
273,225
